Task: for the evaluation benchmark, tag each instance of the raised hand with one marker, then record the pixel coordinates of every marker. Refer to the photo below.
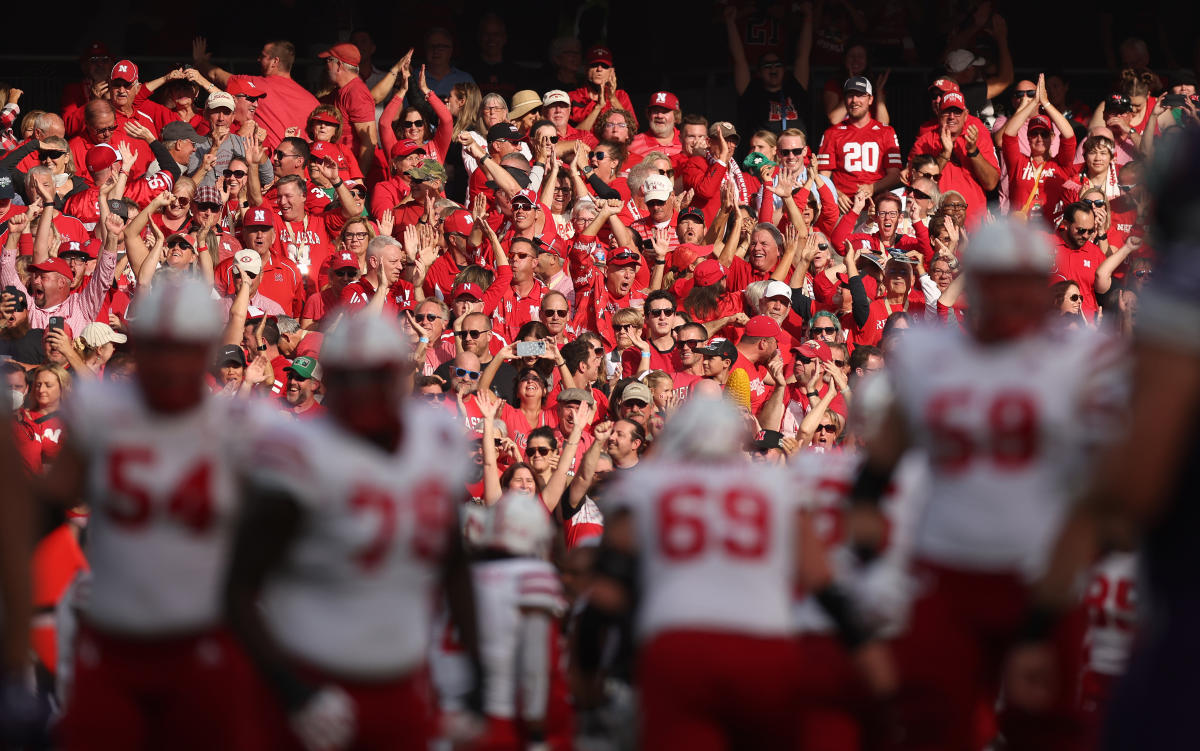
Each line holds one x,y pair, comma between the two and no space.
412,242
200,51
386,223
972,135
17,223
127,155
139,131
424,87
489,404
602,430
113,223
661,242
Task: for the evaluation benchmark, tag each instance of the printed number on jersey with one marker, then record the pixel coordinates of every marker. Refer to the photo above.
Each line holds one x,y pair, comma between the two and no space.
695,520
131,505
860,157
382,508
1008,440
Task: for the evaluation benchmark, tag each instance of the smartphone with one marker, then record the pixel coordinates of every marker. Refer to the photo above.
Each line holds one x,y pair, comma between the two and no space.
1172,101
56,322
531,349
20,302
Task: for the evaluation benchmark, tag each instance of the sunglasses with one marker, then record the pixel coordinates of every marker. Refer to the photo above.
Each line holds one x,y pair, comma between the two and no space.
423,317
293,376
626,255
824,329
662,312
521,257
1082,231
206,206
606,66
182,201
284,155
822,246
839,363
598,350
472,333
346,273
180,244
554,139
935,176
44,154
1094,201
251,99
1031,93
693,343
553,313
537,451
248,274
1143,273
667,172
239,173
618,328
920,194
109,129
1075,298
596,155
792,152
471,375
1125,188
826,428
413,124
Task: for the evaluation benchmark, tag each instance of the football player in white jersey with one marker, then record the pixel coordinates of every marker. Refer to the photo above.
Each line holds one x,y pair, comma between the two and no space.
520,600
721,548
351,530
154,459
1111,602
1010,411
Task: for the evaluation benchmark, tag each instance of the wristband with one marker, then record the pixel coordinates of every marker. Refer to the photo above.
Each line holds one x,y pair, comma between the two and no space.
645,354
660,262
424,340
1102,237
973,154
338,184
486,156
814,393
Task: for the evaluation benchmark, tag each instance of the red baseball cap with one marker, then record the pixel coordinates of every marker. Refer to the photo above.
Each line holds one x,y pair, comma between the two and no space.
664,99
95,50
815,348
944,85
345,52
243,86
599,54
708,272
124,70
54,265
101,156
406,147
466,288
258,217
459,222
324,117
526,194
952,99
323,150
686,253
763,326
75,246
1039,122
71,228
344,260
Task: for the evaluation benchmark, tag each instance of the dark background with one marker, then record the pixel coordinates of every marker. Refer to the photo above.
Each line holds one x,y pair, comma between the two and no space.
663,45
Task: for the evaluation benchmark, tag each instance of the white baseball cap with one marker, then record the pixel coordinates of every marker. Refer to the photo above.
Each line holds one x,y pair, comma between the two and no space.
776,288
657,188
959,60
96,335
364,340
1008,247
182,311
556,96
248,261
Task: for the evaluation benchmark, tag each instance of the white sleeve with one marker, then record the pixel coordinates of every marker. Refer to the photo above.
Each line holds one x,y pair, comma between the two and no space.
533,664
932,293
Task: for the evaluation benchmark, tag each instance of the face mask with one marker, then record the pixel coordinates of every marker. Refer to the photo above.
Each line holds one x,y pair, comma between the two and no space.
16,399
61,179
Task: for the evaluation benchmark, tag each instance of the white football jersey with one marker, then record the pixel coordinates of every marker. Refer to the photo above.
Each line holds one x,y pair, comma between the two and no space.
502,589
717,545
882,588
1011,430
163,495
355,593
1111,601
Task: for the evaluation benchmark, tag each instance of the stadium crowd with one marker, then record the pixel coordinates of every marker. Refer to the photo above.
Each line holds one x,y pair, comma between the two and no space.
577,301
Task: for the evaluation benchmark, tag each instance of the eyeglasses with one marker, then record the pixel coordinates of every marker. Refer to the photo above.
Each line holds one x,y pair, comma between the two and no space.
423,317
44,154
1075,298
887,214
102,131
293,376
554,313
537,451
284,155
774,65
239,173
346,273
662,312
1031,93
413,124
522,205
206,206
1140,273
824,329
1094,202
803,359
470,375
74,259
616,125
472,333
955,206
692,343
357,235
792,152
597,155
496,108
826,428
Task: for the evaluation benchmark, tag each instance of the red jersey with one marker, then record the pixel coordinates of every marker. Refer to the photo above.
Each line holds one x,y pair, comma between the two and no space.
514,311
287,104
307,244
643,143
400,296
858,155
85,205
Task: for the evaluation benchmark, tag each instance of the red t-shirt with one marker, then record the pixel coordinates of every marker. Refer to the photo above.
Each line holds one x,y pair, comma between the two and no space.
1024,174
356,105
957,174
287,104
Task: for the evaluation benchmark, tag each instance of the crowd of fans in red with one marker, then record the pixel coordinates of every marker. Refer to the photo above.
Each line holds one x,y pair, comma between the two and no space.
569,265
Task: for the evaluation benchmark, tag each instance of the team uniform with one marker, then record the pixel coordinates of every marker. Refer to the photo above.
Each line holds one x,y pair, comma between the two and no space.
858,156
1009,429
1111,603
153,666
717,565
351,604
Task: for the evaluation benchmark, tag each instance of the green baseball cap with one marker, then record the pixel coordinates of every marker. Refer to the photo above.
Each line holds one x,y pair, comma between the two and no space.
305,367
428,169
756,160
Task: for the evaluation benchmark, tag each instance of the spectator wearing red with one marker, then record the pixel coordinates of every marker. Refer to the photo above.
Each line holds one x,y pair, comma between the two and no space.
1036,181
290,159
660,206
101,126
343,270
598,296
556,107
400,121
39,428
390,193
600,92
661,133
520,303
766,248
279,278
383,285
303,383
130,102
887,226
426,182
708,300
660,352
325,125
706,174
354,101
1077,258
860,150
965,154
758,346
281,102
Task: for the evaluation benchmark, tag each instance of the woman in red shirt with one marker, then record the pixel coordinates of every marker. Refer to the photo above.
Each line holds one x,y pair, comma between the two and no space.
1036,180
39,428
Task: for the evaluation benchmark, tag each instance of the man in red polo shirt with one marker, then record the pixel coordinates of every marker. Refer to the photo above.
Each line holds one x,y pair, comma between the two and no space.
281,279
556,107
385,261
354,101
661,133
758,346
966,155
598,296
860,150
130,102
766,247
100,125
1077,258
522,301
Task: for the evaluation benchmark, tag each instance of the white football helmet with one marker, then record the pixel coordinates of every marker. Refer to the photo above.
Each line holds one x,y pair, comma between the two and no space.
364,340
520,524
1007,246
180,311
706,427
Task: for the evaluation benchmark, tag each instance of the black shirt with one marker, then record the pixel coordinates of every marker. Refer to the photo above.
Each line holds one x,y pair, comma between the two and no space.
504,384
776,111
27,349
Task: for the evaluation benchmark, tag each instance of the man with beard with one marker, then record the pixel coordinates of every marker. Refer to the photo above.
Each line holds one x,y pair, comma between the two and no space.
965,154
476,338
303,382
17,339
860,150
661,134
